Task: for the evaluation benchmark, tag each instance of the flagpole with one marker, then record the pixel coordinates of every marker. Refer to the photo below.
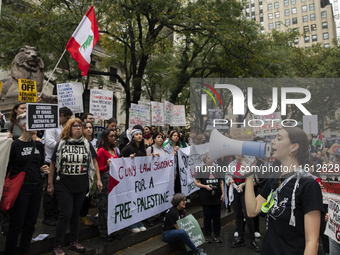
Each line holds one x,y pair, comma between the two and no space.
52,72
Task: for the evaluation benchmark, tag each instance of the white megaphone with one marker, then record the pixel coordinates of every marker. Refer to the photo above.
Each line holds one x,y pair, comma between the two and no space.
221,146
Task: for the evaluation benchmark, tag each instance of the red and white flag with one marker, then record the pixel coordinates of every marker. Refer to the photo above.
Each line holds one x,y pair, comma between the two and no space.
83,40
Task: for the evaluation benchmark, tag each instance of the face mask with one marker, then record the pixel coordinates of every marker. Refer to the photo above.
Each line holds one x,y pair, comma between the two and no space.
313,154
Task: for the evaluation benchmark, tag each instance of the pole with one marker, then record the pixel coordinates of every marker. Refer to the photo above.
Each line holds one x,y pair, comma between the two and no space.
52,72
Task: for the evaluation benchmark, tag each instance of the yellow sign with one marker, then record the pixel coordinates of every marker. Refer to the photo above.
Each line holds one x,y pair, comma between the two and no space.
27,91
0,87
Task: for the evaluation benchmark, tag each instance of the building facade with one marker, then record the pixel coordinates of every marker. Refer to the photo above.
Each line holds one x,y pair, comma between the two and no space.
312,18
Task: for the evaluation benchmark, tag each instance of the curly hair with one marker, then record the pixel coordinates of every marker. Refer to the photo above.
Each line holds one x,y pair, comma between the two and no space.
66,133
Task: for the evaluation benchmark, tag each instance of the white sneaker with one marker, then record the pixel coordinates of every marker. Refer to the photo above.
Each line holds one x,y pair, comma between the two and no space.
236,234
257,235
142,229
134,230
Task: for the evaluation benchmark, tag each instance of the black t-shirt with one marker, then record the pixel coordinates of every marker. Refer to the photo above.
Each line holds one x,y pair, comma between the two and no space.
171,216
20,155
74,172
282,238
128,150
205,196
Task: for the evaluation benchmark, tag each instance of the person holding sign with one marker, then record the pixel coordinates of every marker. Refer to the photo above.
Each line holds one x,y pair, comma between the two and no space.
293,199
170,231
12,125
26,155
73,165
211,196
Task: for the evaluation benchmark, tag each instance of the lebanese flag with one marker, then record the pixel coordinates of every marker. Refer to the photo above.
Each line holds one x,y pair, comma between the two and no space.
83,40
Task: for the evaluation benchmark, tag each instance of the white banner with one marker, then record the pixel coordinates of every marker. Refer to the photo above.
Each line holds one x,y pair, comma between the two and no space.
147,112
137,115
168,111
101,104
139,188
70,95
178,116
267,124
5,148
333,224
157,114
188,159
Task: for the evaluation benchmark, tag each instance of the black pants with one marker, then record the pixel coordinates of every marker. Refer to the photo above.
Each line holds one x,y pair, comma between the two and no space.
239,206
212,212
69,204
23,217
84,210
50,204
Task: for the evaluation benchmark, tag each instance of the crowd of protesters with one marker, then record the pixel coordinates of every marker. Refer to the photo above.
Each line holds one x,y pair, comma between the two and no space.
69,171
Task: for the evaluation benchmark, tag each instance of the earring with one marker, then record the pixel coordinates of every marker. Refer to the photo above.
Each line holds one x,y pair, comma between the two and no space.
290,154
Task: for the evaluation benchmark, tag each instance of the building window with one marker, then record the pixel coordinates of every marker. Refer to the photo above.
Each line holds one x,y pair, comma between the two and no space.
307,39
305,18
304,8
271,26
293,1
312,16
324,14
326,45
286,2
303,0
305,29
325,36
293,10
270,7
277,24
277,15
287,22
311,7
252,9
114,72
270,16
296,41
276,5
287,12
261,7
261,19
324,25
314,38
313,27
294,21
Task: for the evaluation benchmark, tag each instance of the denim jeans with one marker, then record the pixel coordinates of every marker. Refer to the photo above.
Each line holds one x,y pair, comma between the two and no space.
334,247
176,235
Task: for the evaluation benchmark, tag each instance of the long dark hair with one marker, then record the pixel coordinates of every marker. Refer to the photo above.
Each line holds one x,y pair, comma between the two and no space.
296,135
89,122
104,141
13,116
135,149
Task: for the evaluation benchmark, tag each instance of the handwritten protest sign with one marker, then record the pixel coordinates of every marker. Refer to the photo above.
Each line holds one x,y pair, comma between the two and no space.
193,229
267,124
27,90
70,95
138,189
157,114
168,111
331,190
137,115
178,116
242,134
333,224
42,116
101,104
147,112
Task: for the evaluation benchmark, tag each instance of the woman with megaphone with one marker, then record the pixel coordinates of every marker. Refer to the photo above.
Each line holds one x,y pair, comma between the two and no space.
292,199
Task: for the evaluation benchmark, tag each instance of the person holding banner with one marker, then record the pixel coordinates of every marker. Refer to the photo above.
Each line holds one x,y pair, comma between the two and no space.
135,148
292,199
170,231
211,195
12,125
73,164
26,155
157,147
106,151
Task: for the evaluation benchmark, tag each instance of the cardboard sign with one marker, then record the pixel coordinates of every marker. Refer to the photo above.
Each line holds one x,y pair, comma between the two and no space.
242,134
42,116
310,124
147,112
101,104
70,95
168,111
333,224
157,114
193,229
138,189
137,115
27,91
178,116
267,124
